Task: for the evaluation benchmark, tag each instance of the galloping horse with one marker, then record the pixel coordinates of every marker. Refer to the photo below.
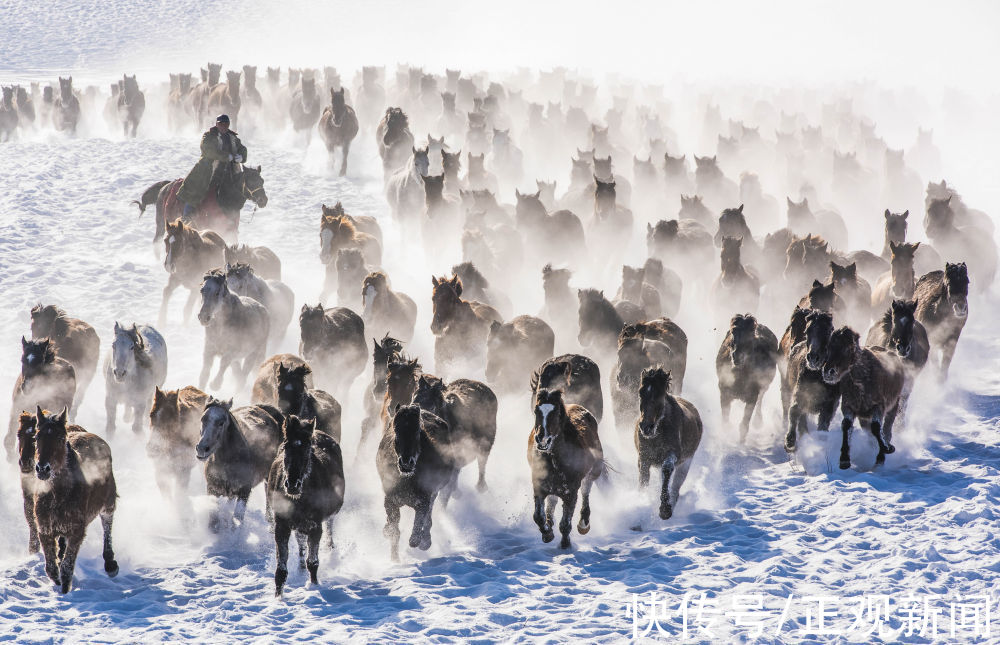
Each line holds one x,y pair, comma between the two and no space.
218,211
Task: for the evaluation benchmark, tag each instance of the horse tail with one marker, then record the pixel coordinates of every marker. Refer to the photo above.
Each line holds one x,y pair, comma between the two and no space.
149,196
603,479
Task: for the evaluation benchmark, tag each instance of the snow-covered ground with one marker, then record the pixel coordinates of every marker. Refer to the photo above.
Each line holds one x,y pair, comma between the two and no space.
751,525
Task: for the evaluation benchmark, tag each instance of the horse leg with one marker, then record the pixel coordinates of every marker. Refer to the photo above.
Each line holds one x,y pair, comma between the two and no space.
725,400
29,516
225,360
583,526
666,503
172,283
677,480
207,358
751,403
343,163
241,504
300,538
786,399
107,520
282,531
329,532
189,304
421,518
391,529
947,353
68,562
140,412
550,511
792,435
312,562
826,414
876,430
887,426
481,484
110,412
539,516
48,544
845,447
566,523
450,489
644,467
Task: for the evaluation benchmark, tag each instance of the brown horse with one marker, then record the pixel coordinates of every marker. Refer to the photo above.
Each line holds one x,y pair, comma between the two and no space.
943,308
667,435
899,331
26,432
298,398
175,427
460,327
566,457
131,104
238,447
333,341
225,97
386,311
189,256
395,141
338,126
414,463
66,108
735,288
78,484
305,489
805,390
470,410
513,347
45,379
578,377
337,232
643,345
264,262
389,350
870,380
745,366
901,280
74,341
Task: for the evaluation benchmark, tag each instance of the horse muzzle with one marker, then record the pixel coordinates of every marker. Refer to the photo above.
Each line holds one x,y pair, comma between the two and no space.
814,361
903,350
204,318
407,467
830,376
647,431
202,452
262,202
118,374
961,309
544,443
43,471
293,488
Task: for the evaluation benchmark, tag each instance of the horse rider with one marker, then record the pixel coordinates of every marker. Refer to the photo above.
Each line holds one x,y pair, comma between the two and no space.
220,147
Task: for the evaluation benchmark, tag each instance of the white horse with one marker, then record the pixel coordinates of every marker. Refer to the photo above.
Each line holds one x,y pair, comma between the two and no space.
135,367
277,296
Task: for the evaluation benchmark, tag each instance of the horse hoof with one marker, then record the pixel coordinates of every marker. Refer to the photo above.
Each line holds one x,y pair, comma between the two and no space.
889,448
66,586
425,544
414,541
564,542
111,568
880,460
845,464
666,512
481,487
789,445
548,536
583,528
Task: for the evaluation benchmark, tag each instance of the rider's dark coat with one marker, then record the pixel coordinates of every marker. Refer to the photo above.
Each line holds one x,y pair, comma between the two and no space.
215,150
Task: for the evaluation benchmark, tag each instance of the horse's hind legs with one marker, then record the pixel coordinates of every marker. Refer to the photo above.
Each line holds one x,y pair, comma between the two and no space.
583,527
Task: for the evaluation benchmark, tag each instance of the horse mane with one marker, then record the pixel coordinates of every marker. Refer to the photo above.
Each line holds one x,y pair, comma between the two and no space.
470,271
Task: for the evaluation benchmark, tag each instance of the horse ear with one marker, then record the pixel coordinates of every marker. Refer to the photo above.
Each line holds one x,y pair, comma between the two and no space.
740,209
62,416
817,283
39,413
228,404
887,213
916,245
118,327
789,200
434,281
495,326
24,342
906,214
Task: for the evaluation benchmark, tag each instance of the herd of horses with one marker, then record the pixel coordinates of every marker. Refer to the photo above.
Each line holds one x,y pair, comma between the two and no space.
910,299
